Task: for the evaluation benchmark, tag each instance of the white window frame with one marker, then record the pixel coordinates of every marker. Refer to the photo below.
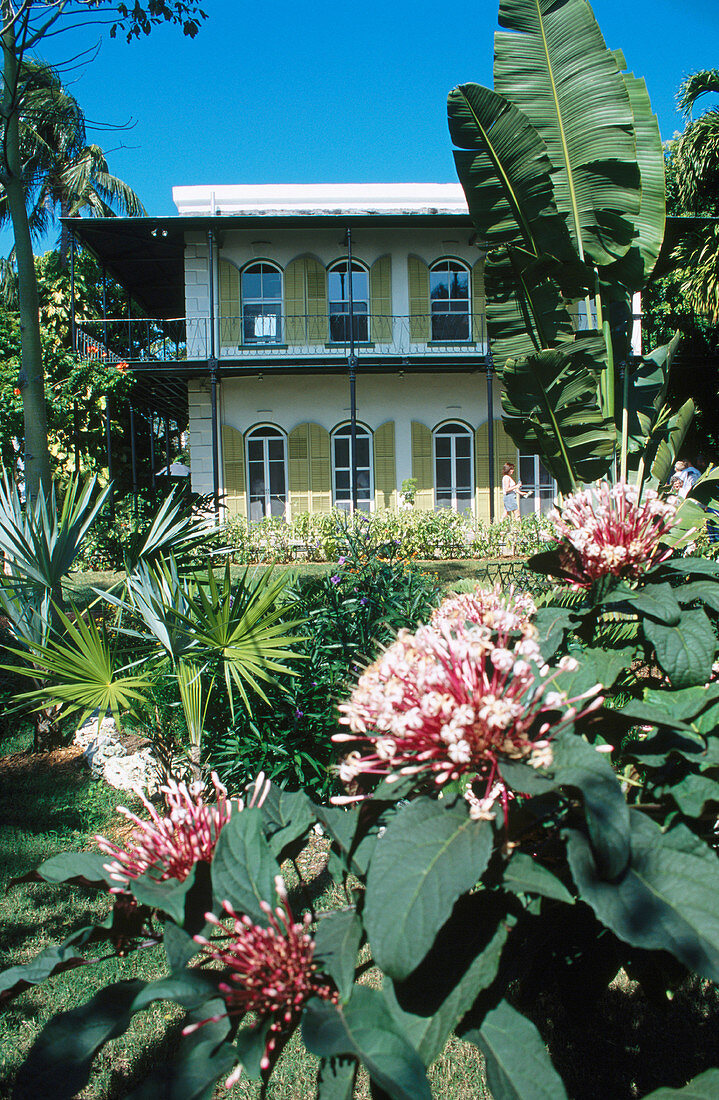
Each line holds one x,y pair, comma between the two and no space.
533,504
339,432
253,435
357,267
466,430
440,265
260,341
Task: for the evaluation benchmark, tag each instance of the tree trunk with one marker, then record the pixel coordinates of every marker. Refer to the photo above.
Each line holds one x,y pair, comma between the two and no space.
47,733
31,380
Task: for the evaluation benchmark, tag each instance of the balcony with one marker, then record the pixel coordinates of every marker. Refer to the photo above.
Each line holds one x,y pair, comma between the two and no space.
269,337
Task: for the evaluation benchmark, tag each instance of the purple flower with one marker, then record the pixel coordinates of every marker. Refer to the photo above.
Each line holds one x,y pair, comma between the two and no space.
335,579
341,560
363,601
299,713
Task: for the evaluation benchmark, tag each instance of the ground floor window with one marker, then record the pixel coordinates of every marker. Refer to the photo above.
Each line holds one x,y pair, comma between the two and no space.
342,468
453,480
538,482
267,475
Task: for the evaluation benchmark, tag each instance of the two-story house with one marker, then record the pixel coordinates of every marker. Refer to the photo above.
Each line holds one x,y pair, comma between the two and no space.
296,317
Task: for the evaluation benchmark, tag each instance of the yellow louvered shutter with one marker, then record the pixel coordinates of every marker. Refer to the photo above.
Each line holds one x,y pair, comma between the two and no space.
230,327
380,297
295,303
233,466
422,465
481,471
317,316
299,470
385,475
418,273
320,469
479,304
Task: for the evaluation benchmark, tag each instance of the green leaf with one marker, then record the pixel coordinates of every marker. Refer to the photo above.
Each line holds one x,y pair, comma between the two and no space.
429,856
179,946
703,1087
250,1043
337,941
659,602
244,869
202,1058
168,896
703,591
693,793
60,1059
576,764
288,816
53,960
364,1028
336,1078
463,961
517,1064
551,407
75,867
686,651
692,567
551,624
189,988
524,875
596,666
666,899
552,63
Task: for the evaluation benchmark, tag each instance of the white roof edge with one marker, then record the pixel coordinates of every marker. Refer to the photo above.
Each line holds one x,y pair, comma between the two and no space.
322,198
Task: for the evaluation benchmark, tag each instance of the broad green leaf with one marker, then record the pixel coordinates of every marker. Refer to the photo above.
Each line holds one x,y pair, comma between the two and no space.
250,1045
364,1028
552,62
288,816
168,896
692,567
703,1087
551,624
244,868
179,946
693,793
658,601
685,651
53,960
666,899
517,1064
635,268
524,875
336,1078
463,961
551,407
702,591
202,1059
576,764
72,867
337,941
429,856
596,666
60,1059
190,988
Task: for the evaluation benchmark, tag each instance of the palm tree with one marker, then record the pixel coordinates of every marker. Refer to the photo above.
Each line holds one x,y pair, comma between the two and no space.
63,175
697,168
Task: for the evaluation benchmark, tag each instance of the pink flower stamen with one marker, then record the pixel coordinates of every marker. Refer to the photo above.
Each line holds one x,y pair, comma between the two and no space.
271,969
614,534
172,845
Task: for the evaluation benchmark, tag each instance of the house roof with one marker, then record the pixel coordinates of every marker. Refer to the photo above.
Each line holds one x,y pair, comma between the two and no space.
329,199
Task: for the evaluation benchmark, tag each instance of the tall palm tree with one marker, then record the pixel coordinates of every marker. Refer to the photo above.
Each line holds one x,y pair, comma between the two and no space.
697,167
63,175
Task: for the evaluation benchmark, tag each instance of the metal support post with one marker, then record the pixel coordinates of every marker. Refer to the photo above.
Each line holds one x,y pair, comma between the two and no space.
214,372
352,367
76,434
133,457
151,422
72,291
108,441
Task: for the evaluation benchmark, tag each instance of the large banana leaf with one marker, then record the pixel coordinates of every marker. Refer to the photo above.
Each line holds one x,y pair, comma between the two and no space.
551,408
635,268
553,64
526,312
665,441
647,393
506,174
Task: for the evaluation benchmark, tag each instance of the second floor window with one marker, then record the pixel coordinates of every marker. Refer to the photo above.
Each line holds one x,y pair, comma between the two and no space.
339,302
261,304
449,301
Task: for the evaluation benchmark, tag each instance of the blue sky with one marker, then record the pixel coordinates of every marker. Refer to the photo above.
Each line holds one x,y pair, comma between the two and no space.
296,92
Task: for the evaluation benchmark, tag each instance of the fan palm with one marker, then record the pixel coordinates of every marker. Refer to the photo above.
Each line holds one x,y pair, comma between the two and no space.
697,162
63,174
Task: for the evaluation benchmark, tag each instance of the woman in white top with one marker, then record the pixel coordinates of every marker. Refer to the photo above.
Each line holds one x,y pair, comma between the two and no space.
511,489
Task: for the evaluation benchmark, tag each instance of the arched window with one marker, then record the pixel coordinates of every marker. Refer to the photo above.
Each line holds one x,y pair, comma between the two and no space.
342,468
339,301
453,466
262,304
449,301
266,472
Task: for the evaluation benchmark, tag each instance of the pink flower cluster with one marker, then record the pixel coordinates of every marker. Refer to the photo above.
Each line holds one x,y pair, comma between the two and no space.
455,699
170,846
613,533
271,970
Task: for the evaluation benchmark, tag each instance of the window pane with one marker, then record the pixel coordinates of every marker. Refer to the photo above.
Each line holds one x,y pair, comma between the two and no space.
444,500
464,476
277,478
459,286
526,469
362,450
254,450
464,502
438,285
444,473
462,446
276,450
277,506
342,452
251,284
342,479
444,446
271,284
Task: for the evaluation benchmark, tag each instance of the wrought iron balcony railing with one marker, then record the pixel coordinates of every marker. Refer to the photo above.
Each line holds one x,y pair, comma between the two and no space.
270,335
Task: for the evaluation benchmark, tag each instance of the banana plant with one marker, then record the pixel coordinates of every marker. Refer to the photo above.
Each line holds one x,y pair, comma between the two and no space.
563,169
